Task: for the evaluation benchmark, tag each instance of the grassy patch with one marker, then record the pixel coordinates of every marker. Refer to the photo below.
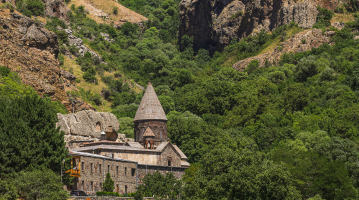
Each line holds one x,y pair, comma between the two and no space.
237,14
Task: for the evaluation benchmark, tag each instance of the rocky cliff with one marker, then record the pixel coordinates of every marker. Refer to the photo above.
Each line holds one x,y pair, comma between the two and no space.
86,125
300,42
214,23
31,51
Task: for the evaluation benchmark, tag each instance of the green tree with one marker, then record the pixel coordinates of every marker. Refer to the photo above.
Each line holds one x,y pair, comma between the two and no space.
109,184
40,184
29,137
252,66
159,185
7,190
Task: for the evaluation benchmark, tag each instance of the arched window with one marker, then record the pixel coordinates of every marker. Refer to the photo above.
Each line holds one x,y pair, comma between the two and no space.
155,131
98,126
161,131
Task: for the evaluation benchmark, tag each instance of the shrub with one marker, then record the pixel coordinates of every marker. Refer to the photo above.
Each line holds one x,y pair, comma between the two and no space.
252,66
73,49
67,1
108,194
115,11
4,71
323,18
90,76
63,49
31,7
303,41
63,37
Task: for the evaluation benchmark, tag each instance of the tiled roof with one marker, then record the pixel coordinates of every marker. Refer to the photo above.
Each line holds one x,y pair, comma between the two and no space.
148,133
150,107
180,152
135,145
86,148
161,146
184,163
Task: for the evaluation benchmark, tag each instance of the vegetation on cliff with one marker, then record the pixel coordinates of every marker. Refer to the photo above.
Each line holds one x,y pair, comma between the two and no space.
288,130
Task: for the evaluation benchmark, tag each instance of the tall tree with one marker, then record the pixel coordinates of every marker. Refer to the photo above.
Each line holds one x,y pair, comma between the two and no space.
29,138
109,184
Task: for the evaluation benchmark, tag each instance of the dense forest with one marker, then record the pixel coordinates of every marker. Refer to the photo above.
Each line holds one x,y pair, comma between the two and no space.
289,130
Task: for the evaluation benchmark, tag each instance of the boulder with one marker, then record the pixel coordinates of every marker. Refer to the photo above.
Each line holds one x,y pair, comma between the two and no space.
85,123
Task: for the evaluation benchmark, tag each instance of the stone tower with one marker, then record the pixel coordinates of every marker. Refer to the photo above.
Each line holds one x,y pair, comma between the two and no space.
150,114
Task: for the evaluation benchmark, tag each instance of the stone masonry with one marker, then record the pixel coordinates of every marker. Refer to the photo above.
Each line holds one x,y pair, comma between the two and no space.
94,169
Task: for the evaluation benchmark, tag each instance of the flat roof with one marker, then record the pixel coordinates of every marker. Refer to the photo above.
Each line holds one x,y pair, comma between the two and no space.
72,152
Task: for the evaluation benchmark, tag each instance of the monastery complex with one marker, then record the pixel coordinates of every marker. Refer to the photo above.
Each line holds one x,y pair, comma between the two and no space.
96,147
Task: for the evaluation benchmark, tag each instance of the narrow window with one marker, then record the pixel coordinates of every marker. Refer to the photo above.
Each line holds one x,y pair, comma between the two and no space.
117,188
125,171
100,169
161,134
117,170
91,167
82,166
100,186
133,172
83,184
169,163
125,189
91,186
108,168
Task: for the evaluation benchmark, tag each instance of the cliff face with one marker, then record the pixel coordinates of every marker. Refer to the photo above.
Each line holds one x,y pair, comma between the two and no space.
86,125
214,23
300,42
31,51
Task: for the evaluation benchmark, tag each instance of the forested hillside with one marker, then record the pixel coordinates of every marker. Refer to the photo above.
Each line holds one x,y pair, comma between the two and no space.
287,130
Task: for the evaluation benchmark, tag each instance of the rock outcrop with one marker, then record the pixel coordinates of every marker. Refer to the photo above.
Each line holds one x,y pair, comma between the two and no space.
300,42
214,23
79,43
56,8
86,125
31,51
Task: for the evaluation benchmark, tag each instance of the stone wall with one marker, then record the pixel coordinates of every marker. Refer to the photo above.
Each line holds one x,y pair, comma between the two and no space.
159,128
94,170
169,155
106,198
178,172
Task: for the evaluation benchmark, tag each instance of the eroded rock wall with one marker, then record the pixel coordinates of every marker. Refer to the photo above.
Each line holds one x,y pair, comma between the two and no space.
214,23
81,126
31,51
300,42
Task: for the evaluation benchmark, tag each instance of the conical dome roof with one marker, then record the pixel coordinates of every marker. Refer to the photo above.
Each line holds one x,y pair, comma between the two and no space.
150,107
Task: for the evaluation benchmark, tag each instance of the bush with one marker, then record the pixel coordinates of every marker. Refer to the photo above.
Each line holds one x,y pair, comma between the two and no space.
4,71
115,11
73,49
252,66
31,7
90,76
108,194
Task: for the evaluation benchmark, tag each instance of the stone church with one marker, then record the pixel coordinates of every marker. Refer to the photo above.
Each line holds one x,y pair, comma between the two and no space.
96,147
